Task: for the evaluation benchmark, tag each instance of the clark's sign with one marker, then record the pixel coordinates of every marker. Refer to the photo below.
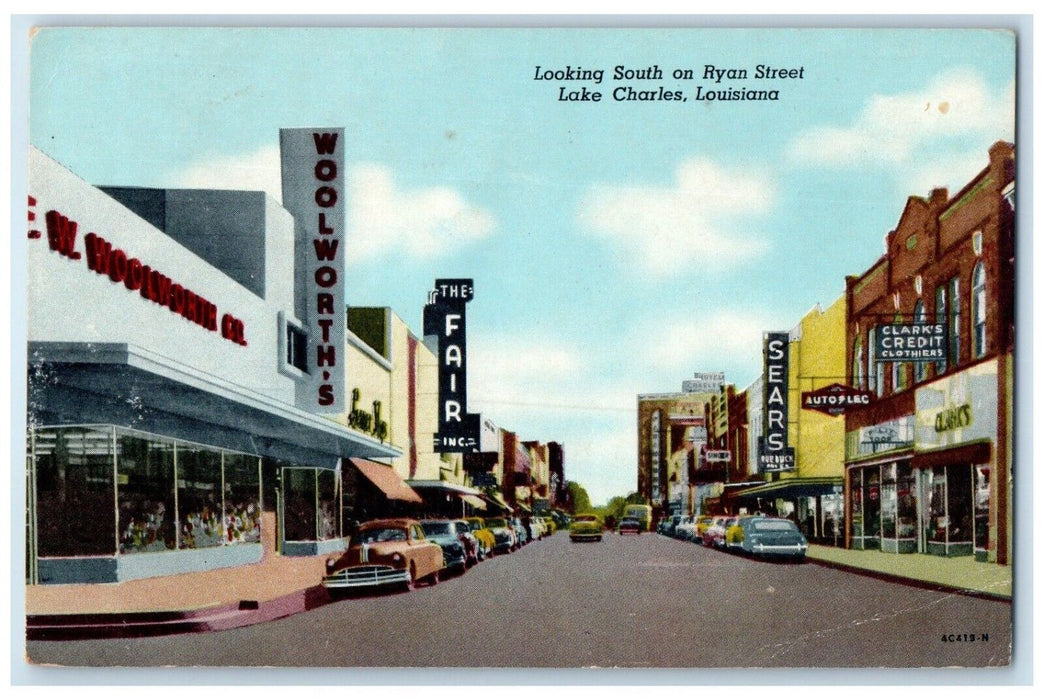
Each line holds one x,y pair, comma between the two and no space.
911,342
313,192
444,318
835,399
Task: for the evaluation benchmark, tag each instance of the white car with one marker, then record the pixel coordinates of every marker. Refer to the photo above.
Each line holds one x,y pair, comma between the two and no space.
537,527
686,529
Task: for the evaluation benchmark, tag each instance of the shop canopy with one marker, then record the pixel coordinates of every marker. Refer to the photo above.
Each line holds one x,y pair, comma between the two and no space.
793,488
474,501
496,501
384,478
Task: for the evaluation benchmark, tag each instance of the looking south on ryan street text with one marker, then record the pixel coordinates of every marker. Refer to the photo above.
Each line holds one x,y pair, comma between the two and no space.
704,84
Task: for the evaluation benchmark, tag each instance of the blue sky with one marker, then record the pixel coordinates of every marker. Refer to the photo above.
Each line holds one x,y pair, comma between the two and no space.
616,247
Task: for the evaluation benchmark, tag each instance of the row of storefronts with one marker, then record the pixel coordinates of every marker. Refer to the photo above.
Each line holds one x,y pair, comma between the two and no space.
190,403
866,441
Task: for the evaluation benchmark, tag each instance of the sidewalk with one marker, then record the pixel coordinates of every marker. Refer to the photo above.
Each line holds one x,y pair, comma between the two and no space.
959,574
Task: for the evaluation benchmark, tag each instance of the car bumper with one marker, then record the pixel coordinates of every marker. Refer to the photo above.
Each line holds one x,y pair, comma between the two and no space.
366,576
789,550
585,535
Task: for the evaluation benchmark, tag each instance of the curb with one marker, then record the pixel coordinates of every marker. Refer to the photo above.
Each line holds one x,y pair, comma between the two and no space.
906,581
66,627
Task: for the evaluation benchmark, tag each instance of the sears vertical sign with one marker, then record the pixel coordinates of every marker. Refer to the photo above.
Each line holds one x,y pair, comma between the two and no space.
313,192
445,318
774,453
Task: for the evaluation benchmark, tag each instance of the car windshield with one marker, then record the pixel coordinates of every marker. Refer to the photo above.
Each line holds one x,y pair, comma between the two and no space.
431,529
628,521
463,527
383,534
774,526
496,522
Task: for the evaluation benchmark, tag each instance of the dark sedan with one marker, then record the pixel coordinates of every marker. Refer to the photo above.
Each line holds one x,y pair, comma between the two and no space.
630,525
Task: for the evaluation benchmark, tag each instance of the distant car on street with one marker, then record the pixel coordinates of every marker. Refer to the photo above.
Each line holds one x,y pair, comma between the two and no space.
769,537
630,525
585,526
702,523
391,552
487,543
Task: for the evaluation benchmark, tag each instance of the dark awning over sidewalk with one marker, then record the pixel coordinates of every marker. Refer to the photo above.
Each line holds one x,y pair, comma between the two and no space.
384,478
794,488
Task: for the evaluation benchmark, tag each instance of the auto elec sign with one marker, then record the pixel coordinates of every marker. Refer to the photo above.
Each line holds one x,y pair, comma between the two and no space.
313,192
834,399
911,342
444,318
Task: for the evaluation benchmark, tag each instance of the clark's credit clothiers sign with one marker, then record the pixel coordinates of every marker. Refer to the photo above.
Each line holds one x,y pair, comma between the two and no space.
911,342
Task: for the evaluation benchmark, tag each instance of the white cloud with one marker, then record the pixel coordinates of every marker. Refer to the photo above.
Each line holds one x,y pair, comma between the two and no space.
699,217
382,218
902,129
422,223
254,171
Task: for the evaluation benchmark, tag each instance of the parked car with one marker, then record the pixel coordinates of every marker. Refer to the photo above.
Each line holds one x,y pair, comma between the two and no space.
444,533
537,528
392,552
630,525
585,526
550,524
504,538
685,528
714,535
766,536
670,524
521,534
472,549
702,523
484,535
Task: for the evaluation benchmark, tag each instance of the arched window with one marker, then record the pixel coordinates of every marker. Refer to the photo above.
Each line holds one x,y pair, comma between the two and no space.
898,368
858,378
920,316
874,369
978,310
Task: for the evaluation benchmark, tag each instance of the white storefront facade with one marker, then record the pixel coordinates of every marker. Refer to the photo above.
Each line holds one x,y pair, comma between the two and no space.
165,424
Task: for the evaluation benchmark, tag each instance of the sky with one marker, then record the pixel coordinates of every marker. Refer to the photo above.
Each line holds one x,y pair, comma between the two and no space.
617,247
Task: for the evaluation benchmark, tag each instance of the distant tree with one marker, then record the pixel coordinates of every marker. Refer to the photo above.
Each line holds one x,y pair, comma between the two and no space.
578,495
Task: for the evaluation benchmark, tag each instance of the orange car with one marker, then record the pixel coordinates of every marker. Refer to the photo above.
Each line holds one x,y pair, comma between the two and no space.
390,552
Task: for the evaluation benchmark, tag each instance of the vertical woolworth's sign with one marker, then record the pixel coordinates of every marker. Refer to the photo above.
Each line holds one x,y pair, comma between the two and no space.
775,455
445,318
313,192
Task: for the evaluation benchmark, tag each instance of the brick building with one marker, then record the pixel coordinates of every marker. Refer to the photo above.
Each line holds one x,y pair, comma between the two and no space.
928,461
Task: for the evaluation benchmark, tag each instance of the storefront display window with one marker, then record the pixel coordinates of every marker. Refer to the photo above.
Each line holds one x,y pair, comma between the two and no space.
872,507
146,493
299,494
199,497
889,503
982,510
328,509
906,487
104,490
937,521
242,498
76,498
833,516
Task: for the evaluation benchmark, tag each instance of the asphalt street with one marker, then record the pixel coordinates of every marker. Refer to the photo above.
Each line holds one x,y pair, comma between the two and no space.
635,602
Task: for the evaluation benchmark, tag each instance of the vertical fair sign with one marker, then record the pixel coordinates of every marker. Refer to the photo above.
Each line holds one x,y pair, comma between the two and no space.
313,192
